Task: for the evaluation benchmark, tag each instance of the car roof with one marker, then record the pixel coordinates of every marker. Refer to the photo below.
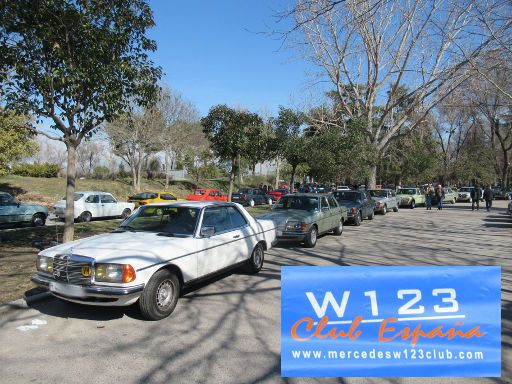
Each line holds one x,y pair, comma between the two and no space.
304,194
93,192
194,204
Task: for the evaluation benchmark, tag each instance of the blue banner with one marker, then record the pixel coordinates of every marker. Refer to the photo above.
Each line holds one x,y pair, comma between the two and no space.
390,321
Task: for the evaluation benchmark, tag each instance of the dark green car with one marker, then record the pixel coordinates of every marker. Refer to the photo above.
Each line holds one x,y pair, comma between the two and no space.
303,216
13,211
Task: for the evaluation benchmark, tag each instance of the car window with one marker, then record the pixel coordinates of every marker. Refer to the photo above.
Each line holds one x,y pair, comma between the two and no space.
212,193
167,196
107,199
217,217
144,196
332,202
346,195
324,203
93,199
237,219
5,198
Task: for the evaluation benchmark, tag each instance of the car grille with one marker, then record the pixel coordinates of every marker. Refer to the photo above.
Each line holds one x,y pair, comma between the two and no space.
68,268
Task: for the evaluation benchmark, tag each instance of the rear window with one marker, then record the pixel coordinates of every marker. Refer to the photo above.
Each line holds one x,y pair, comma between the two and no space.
76,196
144,196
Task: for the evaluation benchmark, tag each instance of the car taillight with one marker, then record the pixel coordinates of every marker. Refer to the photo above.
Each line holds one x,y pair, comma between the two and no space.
354,210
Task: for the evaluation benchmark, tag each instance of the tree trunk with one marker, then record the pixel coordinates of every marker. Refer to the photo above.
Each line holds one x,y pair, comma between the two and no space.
504,171
134,176
292,179
69,228
277,174
232,177
372,178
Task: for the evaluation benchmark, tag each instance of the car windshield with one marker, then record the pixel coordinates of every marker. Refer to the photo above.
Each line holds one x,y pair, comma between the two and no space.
303,203
376,193
466,189
346,195
172,221
406,191
144,196
244,190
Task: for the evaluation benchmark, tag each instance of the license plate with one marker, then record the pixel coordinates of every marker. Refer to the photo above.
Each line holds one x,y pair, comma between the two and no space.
66,289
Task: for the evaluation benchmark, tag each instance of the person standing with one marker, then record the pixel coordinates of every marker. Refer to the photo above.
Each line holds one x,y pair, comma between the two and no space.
488,197
440,196
475,197
429,193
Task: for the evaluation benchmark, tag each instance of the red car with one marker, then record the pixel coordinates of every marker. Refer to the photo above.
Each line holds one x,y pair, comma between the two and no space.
207,194
277,193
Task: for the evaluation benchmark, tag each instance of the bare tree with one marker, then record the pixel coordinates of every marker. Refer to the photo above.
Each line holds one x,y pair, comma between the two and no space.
134,137
390,62
178,115
88,156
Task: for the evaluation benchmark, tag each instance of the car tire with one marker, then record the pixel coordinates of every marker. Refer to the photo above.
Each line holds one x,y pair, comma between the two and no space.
160,295
357,219
85,217
126,212
371,216
38,220
384,210
311,237
337,231
251,202
395,209
413,204
255,262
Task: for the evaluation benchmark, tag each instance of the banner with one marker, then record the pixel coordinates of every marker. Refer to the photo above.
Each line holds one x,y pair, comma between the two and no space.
390,321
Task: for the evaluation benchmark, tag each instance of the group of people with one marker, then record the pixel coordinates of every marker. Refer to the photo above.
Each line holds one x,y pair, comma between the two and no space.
476,195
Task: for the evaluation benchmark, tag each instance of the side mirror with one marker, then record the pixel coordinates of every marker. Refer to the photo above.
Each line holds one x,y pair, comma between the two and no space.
207,231
18,204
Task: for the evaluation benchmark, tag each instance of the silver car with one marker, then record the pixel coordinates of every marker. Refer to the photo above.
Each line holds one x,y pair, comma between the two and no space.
385,200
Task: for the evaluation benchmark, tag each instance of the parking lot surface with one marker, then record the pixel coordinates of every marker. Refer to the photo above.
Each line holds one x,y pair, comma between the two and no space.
228,331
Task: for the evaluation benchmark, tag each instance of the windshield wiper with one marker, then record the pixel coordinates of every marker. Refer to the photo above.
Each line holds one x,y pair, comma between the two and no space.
124,228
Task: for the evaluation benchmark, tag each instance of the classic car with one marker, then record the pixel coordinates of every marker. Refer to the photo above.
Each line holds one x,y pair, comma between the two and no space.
450,196
154,254
358,203
500,194
385,200
252,197
144,198
205,194
410,197
12,211
277,193
92,205
465,194
343,188
303,216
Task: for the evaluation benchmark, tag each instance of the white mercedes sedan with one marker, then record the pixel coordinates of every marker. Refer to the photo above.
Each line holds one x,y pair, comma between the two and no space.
157,251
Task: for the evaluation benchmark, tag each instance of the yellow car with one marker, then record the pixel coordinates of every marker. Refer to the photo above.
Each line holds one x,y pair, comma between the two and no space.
144,198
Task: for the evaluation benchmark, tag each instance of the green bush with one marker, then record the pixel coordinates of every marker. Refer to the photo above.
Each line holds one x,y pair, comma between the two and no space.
36,169
101,172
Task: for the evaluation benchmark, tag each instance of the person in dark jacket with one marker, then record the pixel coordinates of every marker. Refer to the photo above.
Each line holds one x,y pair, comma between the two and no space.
488,197
476,193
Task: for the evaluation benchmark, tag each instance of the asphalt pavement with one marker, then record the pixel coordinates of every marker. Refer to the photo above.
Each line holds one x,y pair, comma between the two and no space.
228,331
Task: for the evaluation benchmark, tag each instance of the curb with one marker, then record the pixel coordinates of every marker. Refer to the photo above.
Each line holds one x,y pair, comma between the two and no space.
24,302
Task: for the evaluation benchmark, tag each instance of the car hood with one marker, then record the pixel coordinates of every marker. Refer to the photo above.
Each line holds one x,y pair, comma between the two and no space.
284,215
127,247
378,198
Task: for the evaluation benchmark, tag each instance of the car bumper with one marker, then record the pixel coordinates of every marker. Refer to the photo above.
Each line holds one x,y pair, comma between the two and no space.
290,236
93,294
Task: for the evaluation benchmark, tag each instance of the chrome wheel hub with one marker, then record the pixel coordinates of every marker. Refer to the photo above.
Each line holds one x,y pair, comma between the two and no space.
164,294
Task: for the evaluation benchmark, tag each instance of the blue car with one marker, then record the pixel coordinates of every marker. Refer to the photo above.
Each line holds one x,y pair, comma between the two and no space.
13,211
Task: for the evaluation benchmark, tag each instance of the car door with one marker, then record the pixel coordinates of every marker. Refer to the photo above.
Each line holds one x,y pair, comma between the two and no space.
227,245
92,204
109,205
8,207
335,211
326,220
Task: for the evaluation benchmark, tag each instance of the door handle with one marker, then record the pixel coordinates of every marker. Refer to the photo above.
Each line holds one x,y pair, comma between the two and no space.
236,236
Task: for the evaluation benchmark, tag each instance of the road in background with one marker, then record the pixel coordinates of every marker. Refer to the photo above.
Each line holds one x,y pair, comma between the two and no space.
229,330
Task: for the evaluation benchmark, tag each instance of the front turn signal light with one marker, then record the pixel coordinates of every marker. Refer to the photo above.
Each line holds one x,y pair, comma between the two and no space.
128,273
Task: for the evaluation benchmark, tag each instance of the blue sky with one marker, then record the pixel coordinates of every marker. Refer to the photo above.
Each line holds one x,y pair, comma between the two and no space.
212,53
